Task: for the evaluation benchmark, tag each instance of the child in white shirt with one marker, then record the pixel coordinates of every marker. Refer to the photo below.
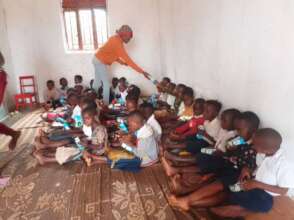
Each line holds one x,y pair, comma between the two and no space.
147,111
274,177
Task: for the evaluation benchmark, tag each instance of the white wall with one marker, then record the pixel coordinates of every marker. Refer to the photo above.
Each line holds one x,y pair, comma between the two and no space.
40,49
238,51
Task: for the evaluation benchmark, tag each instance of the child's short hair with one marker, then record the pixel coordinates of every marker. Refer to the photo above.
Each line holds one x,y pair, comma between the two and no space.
88,102
61,79
90,110
270,134
137,115
50,82
181,86
232,113
134,90
147,105
114,79
188,92
132,97
166,79
216,104
79,77
252,119
123,79
200,101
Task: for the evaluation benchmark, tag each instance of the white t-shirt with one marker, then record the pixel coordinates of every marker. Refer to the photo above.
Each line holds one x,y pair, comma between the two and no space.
171,100
123,95
212,128
223,137
162,97
77,111
181,109
276,170
51,94
147,148
155,126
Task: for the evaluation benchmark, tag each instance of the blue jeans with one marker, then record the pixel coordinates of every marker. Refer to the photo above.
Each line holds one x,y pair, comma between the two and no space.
101,77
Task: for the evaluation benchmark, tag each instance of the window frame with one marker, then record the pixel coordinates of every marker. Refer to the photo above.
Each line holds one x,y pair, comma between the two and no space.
80,39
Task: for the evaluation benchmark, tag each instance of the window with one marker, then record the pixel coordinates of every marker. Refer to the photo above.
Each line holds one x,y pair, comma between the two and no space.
85,24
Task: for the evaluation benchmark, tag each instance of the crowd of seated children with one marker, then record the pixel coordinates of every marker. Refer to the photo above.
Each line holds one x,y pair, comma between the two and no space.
219,161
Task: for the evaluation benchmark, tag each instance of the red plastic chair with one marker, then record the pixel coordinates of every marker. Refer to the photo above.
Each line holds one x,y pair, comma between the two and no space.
28,94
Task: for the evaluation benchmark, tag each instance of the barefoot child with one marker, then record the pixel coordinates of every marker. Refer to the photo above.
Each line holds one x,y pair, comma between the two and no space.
226,168
273,177
90,136
140,141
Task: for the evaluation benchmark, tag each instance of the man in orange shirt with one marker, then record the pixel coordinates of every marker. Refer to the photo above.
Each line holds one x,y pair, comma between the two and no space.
113,51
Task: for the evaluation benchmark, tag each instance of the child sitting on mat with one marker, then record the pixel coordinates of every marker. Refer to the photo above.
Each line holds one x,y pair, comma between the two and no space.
140,141
171,97
225,169
51,95
89,136
274,177
79,85
178,92
186,111
63,86
147,111
190,128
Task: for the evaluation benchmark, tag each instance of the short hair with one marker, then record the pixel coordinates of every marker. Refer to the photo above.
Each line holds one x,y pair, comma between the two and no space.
90,110
62,79
147,105
172,84
181,86
188,92
50,82
232,113
252,119
135,90
216,104
79,77
132,97
269,133
114,78
136,114
88,102
200,101
123,79
166,79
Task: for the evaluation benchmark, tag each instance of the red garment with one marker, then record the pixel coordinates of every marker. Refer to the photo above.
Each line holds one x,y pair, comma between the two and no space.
6,130
191,127
3,83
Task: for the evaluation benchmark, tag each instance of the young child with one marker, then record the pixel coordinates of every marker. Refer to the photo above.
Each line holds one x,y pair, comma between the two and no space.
147,111
123,89
226,168
93,136
186,108
273,177
51,95
114,90
190,128
170,97
162,89
208,134
63,86
79,86
178,93
131,103
140,141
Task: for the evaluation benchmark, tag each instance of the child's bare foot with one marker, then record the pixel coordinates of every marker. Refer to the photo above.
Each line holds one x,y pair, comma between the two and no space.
38,144
178,203
231,211
169,170
39,157
13,142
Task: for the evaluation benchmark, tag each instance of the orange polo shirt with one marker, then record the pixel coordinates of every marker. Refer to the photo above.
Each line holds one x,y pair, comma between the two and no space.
113,51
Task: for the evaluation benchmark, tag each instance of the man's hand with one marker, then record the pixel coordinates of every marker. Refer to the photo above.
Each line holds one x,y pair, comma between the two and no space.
146,75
